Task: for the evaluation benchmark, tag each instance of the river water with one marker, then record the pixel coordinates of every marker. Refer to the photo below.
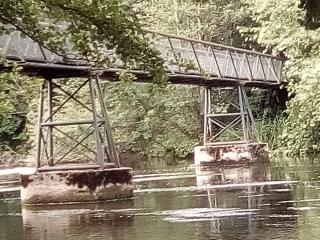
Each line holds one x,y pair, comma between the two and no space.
276,201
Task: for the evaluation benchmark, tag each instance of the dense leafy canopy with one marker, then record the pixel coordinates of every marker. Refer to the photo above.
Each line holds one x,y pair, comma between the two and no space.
152,120
90,27
280,24
312,18
211,20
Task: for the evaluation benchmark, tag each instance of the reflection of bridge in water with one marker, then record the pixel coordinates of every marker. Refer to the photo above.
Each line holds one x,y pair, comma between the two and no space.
250,210
188,61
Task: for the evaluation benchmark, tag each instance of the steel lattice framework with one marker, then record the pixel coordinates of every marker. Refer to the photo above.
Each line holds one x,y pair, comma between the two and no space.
231,120
187,61
216,67
98,125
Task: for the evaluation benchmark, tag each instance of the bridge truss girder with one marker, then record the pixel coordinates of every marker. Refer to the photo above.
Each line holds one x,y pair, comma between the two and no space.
98,127
228,118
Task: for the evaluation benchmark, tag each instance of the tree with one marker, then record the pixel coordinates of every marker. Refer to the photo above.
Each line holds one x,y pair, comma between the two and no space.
17,94
146,118
312,18
90,27
280,24
87,28
153,121
215,21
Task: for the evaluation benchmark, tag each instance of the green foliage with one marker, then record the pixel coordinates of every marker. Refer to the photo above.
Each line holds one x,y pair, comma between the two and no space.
153,121
280,25
312,7
302,132
90,27
16,94
209,20
270,129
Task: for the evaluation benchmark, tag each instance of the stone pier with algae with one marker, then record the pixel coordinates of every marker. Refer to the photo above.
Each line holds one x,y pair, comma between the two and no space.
231,163
76,185
231,154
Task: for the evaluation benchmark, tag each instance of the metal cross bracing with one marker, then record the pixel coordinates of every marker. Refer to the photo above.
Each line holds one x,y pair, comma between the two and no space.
188,61
190,56
228,117
96,126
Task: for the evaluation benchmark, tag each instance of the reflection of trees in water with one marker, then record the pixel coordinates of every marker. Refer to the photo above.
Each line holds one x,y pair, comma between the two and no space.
10,220
77,221
276,214
262,199
11,227
101,217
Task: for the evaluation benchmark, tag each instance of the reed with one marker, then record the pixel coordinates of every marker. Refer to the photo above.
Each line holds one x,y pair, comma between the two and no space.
270,130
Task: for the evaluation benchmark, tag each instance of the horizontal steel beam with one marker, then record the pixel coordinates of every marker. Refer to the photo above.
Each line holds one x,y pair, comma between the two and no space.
227,143
75,167
68,123
224,114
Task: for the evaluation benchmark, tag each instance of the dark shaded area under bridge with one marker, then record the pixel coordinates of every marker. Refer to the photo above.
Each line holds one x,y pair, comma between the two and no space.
214,65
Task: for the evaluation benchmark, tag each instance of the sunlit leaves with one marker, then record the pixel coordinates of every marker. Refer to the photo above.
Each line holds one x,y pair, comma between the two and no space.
279,26
154,121
89,27
207,20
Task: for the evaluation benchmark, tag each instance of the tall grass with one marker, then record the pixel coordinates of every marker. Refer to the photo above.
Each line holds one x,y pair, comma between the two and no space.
270,130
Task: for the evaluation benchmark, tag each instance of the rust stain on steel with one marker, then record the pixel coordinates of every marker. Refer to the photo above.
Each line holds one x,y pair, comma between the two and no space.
94,179
25,180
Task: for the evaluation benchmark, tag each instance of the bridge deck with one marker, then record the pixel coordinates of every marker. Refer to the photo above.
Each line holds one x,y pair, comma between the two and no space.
188,61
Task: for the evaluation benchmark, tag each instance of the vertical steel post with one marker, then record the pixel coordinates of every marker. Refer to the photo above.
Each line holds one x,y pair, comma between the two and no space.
242,112
250,116
263,70
205,122
233,64
196,56
249,67
209,110
216,62
107,128
174,54
95,124
50,128
39,132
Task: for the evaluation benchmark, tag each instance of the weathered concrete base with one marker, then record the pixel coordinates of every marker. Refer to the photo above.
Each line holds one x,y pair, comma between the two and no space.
89,185
235,154
231,163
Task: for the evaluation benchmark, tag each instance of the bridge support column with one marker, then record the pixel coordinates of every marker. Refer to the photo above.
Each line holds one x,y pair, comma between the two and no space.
76,158
91,121
230,135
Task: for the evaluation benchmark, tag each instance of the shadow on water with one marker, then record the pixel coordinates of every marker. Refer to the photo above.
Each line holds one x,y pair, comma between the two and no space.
280,201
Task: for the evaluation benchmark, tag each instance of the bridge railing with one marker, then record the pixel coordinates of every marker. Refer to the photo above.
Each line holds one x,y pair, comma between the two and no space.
186,55
182,56
17,46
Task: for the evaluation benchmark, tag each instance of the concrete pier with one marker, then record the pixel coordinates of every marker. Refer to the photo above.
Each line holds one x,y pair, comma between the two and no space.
233,163
76,185
231,154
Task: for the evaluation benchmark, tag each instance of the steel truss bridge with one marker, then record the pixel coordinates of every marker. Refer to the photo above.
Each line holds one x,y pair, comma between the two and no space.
223,71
